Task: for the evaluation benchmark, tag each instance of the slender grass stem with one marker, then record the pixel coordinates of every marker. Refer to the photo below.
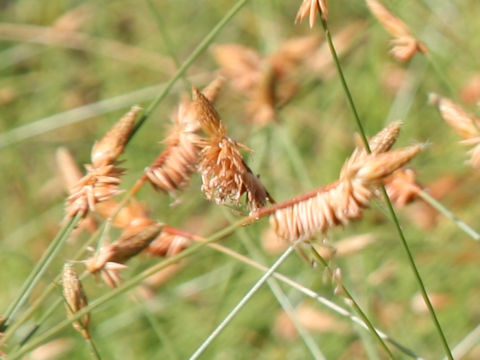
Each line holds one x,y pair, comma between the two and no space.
467,229
166,38
387,199
127,285
93,349
189,61
354,304
40,268
241,303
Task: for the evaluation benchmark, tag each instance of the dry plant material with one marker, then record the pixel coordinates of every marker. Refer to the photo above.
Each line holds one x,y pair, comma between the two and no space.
405,45
466,125
267,82
103,177
225,175
167,244
55,349
75,299
171,171
343,200
439,301
110,258
310,9
402,188
71,175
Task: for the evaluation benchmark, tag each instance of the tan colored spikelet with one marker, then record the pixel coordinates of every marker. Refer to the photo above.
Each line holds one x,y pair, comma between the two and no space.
339,202
225,175
74,19
111,146
401,187
167,244
466,125
103,178
172,169
310,9
75,299
405,44
108,261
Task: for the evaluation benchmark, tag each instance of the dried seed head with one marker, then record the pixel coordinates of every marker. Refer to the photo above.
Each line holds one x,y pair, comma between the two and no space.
466,125
342,201
225,175
75,299
311,8
111,146
378,166
211,90
100,184
207,115
401,187
385,139
167,244
405,44
240,64
108,261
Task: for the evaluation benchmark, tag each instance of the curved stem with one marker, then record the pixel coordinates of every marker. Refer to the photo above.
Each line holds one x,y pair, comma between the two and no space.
387,199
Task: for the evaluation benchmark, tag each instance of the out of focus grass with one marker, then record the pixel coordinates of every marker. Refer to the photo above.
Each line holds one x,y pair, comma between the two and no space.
37,81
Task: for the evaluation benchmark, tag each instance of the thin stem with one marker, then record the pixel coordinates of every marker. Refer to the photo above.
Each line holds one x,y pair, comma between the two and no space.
241,303
447,213
93,349
166,39
40,268
354,304
467,343
127,285
387,199
189,61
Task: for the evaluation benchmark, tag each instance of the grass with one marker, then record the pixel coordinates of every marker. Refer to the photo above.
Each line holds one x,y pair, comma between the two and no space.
54,96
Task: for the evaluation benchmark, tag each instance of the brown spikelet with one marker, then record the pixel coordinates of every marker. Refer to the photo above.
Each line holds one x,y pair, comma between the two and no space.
466,125
103,178
167,244
111,146
172,169
401,187
405,44
340,202
311,8
71,175
75,299
110,258
225,175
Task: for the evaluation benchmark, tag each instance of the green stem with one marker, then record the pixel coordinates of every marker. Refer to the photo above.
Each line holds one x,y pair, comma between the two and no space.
387,199
40,268
189,61
127,285
354,304
447,213
34,306
241,303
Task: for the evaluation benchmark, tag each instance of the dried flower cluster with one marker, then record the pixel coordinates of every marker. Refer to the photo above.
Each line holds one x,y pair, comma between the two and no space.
110,258
225,175
466,125
405,45
342,201
75,299
269,82
311,8
401,187
103,177
172,169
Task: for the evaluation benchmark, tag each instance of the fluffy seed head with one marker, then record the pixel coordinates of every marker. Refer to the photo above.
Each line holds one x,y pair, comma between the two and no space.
311,8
